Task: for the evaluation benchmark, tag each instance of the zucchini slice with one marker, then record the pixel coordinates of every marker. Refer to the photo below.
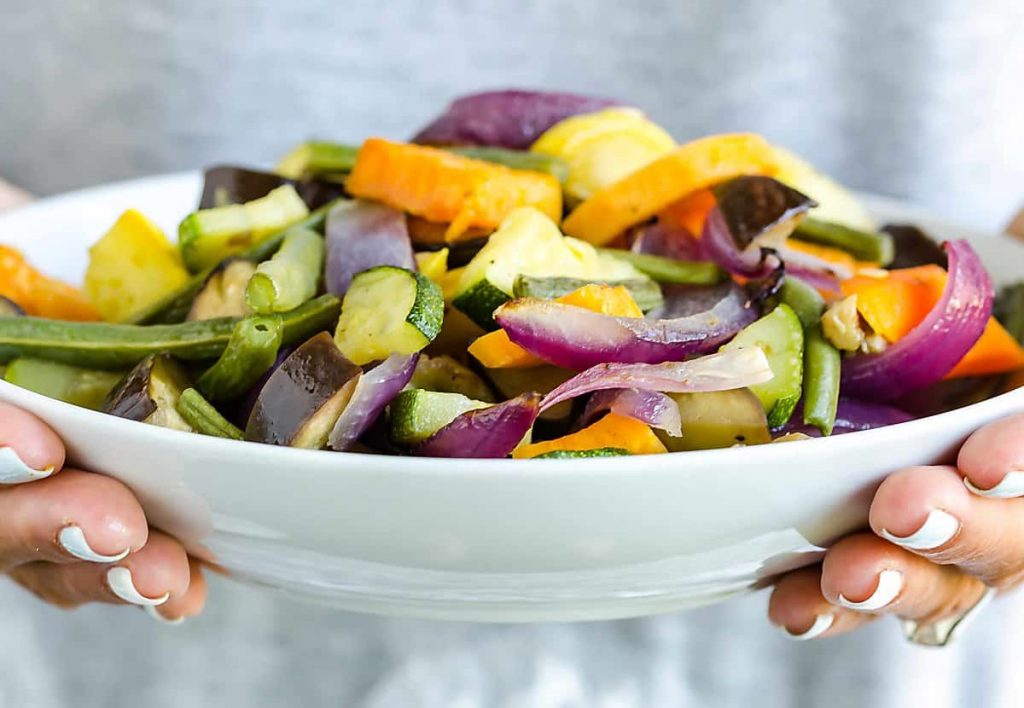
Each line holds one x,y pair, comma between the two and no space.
414,415
529,243
388,310
718,419
781,336
578,454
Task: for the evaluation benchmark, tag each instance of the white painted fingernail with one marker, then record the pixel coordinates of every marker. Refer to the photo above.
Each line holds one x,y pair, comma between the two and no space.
14,471
72,540
890,582
938,529
820,626
155,614
1012,485
120,582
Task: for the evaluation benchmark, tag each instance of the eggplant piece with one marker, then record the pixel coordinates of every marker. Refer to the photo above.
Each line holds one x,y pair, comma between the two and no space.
303,399
223,293
718,419
913,247
236,185
9,308
445,375
149,393
760,208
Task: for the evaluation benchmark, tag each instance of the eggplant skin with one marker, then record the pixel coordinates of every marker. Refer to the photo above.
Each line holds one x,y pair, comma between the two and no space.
308,387
751,205
149,393
236,185
914,247
9,308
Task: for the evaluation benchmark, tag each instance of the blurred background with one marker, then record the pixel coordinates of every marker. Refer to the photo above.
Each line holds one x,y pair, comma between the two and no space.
919,99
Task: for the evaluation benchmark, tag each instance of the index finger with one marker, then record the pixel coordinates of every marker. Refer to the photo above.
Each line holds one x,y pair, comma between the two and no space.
29,450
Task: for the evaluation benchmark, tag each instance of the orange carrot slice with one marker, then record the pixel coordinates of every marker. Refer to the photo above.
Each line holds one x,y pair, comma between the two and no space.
611,431
38,294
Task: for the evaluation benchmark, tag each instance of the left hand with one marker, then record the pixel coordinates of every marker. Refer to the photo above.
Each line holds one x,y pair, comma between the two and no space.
942,536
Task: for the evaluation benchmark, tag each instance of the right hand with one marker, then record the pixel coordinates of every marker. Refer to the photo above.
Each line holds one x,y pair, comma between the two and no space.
73,537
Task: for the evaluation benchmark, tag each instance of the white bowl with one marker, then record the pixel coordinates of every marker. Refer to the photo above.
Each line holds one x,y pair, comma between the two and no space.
494,540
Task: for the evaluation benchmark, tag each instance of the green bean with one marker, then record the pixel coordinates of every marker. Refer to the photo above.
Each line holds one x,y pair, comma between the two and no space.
250,352
670,270
71,384
315,158
804,300
822,365
290,277
517,160
863,245
204,418
174,308
98,345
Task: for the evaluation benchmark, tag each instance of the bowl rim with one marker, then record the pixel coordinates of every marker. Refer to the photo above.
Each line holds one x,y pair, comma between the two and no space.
752,455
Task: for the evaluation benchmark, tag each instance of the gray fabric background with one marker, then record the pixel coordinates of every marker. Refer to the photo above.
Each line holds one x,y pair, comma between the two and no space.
915,99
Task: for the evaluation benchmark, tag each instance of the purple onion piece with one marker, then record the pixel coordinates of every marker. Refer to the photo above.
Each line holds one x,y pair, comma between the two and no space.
667,240
491,432
937,344
372,394
362,235
651,407
510,119
851,416
575,338
724,371
817,279
719,246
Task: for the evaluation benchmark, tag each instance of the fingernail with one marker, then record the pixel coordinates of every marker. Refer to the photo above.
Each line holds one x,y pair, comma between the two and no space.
14,471
72,540
938,529
155,614
890,582
820,626
120,582
1012,485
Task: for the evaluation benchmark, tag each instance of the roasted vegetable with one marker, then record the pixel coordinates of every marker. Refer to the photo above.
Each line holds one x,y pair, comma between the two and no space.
388,311
873,246
112,346
491,432
208,236
442,373
414,415
37,294
71,384
913,247
612,431
204,418
361,235
317,157
646,293
9,308
670,270
583,454
250,352
223,186
822,363
448,188
223,293
542,379
303,399
290,277
150,393
718,419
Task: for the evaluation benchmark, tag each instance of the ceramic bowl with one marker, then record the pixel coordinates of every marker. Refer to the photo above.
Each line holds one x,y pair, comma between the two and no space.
484,540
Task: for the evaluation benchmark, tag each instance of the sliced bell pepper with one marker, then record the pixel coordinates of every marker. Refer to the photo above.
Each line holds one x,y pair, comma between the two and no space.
642,194
895,304
613,431
496,351
38,294
447,188
690,211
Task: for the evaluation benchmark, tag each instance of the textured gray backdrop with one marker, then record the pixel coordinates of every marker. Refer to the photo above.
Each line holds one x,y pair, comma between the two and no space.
917,99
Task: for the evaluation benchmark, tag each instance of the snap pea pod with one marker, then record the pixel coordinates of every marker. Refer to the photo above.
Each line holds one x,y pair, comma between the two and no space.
822,362
863,245
822,370
204,418
251,350
97,345
174,308
670,270
290,277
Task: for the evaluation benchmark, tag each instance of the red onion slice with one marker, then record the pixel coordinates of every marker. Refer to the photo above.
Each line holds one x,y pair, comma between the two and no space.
724,371
851,416
667,240
373,392
491,432
938,343
361,235
651,407
510,119
575,338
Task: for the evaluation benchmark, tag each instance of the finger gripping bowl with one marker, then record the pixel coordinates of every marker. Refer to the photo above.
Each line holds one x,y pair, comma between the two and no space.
487,540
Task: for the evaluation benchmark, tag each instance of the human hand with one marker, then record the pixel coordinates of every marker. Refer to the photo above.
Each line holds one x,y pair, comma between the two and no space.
74,537
942,537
